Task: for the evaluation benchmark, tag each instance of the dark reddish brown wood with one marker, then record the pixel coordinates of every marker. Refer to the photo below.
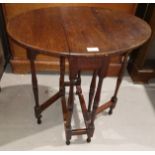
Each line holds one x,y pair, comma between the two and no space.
22,66
73,30
112,103
77,64
68,33
38,108
13,9
119,80
83,105
62,87
46,62
32,56
103,107
79,131
92,90
102,72
50,101
70,107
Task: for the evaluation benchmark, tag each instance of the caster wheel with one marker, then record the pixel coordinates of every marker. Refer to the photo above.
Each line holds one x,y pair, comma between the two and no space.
67,142
88,140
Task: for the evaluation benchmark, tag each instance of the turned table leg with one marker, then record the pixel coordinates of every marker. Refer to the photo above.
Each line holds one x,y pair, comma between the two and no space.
102,71
62,86
92,90
95,106
119,80
31,56
70,110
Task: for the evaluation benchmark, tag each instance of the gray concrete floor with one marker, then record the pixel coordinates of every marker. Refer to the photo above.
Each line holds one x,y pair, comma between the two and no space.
131,127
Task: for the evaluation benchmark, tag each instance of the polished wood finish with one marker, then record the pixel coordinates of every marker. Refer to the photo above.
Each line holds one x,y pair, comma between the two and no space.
67,33
12,10
32,56
91,26
19,61
119,80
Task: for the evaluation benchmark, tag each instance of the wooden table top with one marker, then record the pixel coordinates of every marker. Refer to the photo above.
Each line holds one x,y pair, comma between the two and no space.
78,31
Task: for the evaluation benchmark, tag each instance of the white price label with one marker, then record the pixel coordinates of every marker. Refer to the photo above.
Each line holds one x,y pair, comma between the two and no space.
93,49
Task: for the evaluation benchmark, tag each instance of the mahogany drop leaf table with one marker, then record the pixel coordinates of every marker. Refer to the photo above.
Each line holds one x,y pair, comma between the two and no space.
88,37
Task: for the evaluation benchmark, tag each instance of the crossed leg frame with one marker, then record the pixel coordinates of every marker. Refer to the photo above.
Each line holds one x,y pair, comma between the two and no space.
76,65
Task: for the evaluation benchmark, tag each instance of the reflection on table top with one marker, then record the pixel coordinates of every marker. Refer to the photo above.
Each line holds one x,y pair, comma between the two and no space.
78,31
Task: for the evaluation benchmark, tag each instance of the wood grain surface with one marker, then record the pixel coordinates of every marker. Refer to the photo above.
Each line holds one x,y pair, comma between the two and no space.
72,30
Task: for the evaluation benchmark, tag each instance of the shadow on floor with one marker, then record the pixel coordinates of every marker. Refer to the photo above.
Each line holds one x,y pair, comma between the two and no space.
17,119
150,91
131,125
18,123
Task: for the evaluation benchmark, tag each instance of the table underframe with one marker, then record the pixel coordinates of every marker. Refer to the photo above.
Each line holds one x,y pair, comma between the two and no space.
99,66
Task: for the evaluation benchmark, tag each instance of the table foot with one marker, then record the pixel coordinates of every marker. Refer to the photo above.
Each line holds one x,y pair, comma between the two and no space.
114,101
110,111
88,140
38,115
39,121
67,142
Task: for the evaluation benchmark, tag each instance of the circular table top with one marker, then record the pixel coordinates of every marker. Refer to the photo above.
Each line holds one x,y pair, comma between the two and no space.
78,31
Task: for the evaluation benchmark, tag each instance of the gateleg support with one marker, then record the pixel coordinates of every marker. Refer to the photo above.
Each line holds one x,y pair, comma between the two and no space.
118,83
